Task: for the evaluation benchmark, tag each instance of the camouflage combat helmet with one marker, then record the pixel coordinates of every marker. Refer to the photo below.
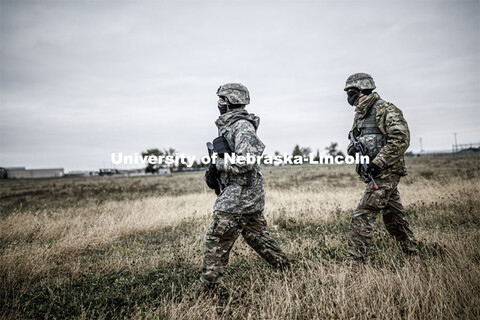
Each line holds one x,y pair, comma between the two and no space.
235,93
361,81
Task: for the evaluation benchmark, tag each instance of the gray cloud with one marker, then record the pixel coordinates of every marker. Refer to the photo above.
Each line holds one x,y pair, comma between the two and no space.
81,79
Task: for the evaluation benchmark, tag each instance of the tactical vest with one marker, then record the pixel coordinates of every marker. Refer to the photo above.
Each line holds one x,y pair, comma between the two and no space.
370,135
246,179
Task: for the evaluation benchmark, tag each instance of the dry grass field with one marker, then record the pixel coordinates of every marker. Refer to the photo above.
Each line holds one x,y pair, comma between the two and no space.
120,247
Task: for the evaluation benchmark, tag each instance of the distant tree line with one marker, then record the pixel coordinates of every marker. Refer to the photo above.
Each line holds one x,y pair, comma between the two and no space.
154,168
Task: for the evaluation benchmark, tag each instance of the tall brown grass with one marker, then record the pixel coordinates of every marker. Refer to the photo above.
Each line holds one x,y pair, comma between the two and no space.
140,257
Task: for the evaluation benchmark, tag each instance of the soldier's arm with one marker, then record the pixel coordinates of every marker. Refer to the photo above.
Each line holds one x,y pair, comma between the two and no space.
246,142
391,122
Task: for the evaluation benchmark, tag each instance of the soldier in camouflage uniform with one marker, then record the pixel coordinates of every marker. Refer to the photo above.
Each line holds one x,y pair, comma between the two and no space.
381,128
239,207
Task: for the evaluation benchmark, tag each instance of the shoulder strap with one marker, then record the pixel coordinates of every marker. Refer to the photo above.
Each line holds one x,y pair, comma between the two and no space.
375,105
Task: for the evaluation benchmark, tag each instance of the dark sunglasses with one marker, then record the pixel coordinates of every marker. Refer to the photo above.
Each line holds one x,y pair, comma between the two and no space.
352,92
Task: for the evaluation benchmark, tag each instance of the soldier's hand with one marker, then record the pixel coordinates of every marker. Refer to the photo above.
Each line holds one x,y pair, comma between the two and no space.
211,177
373,169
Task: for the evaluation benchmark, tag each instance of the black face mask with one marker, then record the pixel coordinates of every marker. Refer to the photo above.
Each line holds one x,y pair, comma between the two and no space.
222,107
353,96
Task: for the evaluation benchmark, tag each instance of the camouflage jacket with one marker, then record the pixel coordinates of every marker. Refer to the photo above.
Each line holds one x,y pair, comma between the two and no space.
394,127
244,191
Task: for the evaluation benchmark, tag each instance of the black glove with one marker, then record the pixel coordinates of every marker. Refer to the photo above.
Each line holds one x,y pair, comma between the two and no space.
211,176
373,169
352,150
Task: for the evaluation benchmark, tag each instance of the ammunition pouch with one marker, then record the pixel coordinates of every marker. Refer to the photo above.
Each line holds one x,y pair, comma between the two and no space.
220,146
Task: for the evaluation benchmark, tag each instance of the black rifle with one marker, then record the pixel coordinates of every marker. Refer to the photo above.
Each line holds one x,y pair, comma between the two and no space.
361,149
214,184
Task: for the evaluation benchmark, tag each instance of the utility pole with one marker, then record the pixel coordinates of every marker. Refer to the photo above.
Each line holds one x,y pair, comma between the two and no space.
421,148
455,135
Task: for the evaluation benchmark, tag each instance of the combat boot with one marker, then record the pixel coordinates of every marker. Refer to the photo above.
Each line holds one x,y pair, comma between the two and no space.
283,265
215,290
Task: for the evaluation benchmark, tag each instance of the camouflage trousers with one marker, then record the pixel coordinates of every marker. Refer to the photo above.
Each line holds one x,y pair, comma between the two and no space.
387,201
221,235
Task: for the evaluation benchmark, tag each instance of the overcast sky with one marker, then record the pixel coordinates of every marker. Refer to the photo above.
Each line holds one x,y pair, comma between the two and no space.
82,79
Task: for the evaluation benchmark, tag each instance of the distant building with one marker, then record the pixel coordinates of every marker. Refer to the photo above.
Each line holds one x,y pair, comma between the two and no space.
3,171
80,173
14,168
133,172
164,171
17,173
